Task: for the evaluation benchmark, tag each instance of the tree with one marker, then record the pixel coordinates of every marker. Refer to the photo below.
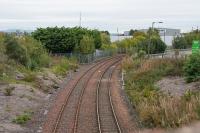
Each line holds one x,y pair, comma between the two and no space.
131,32
105,39
63,40
26,51
179,43
97,38
157,46
141,41
2,47
139,34
186,40
15,51
87,45
192,68
106,32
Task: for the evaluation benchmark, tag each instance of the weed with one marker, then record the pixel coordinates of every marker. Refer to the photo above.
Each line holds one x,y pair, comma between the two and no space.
30,77
23,118
63,65
156,109
8,91
32,90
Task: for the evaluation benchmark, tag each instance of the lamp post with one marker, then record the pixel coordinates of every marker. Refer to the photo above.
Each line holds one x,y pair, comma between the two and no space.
153,23
164,34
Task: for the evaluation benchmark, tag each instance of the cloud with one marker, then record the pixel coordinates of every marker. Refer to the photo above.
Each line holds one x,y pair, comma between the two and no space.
102,14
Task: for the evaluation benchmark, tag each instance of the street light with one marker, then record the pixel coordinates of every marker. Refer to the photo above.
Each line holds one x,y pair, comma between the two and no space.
153,23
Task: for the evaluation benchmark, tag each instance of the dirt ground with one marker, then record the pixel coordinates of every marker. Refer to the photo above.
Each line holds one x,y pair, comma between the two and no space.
25,98
177,86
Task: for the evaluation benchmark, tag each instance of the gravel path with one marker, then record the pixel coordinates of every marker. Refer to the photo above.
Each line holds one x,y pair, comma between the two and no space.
125,112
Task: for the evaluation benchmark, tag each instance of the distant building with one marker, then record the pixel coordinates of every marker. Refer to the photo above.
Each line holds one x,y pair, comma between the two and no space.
126,33
166,34
118,37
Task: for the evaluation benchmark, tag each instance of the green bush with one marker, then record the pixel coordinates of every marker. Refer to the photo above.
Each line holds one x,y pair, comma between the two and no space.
16,51
30,77
62,67
87,45
63,40
179,43
185,41
26,51
141,54
192,68
141,41
23,118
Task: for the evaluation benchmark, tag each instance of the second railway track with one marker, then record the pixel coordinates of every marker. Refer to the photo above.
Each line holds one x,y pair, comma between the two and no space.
107,119
68,118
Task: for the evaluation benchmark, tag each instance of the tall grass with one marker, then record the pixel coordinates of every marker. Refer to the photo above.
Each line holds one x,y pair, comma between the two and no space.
62,65
156,109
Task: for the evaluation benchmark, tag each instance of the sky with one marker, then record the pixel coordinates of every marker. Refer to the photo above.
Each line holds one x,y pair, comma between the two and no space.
99,14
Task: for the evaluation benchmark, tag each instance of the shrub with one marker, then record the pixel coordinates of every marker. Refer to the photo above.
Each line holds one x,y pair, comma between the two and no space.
87,45
23,118
27,51
15,51
30,77
141,54
179,43
8,91
38,57
154,108
63,40
61,65
192,68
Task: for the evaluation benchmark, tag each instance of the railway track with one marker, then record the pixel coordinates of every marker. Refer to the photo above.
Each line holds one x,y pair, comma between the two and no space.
76,129
83,81
107,119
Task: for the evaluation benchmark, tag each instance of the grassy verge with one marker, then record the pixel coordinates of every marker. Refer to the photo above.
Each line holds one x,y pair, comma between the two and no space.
62,65
154,108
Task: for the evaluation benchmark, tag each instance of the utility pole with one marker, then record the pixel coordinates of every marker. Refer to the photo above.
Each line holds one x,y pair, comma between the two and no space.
151,31
118,33
80,19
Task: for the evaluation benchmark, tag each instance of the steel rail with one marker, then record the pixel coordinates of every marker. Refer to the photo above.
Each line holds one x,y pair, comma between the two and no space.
110,100
70,92
80,100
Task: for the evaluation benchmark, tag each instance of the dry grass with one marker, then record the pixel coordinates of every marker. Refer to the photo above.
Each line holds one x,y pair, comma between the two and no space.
168,111
154,108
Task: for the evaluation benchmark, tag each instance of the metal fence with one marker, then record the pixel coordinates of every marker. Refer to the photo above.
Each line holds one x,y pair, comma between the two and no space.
176,53
88,58
98,54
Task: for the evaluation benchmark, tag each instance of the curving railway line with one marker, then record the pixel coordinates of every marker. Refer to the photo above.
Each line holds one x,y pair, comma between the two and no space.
87,104
107,119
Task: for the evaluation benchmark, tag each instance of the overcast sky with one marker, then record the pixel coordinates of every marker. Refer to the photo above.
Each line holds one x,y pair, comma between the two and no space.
99,14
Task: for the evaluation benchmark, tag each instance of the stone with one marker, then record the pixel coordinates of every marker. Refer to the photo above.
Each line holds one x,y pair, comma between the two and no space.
20,76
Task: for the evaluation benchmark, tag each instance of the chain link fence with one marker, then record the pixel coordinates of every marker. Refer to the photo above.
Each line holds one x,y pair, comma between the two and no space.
88,58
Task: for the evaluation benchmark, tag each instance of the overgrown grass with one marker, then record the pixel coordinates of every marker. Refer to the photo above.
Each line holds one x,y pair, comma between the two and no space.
26,56
154,108
62,65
